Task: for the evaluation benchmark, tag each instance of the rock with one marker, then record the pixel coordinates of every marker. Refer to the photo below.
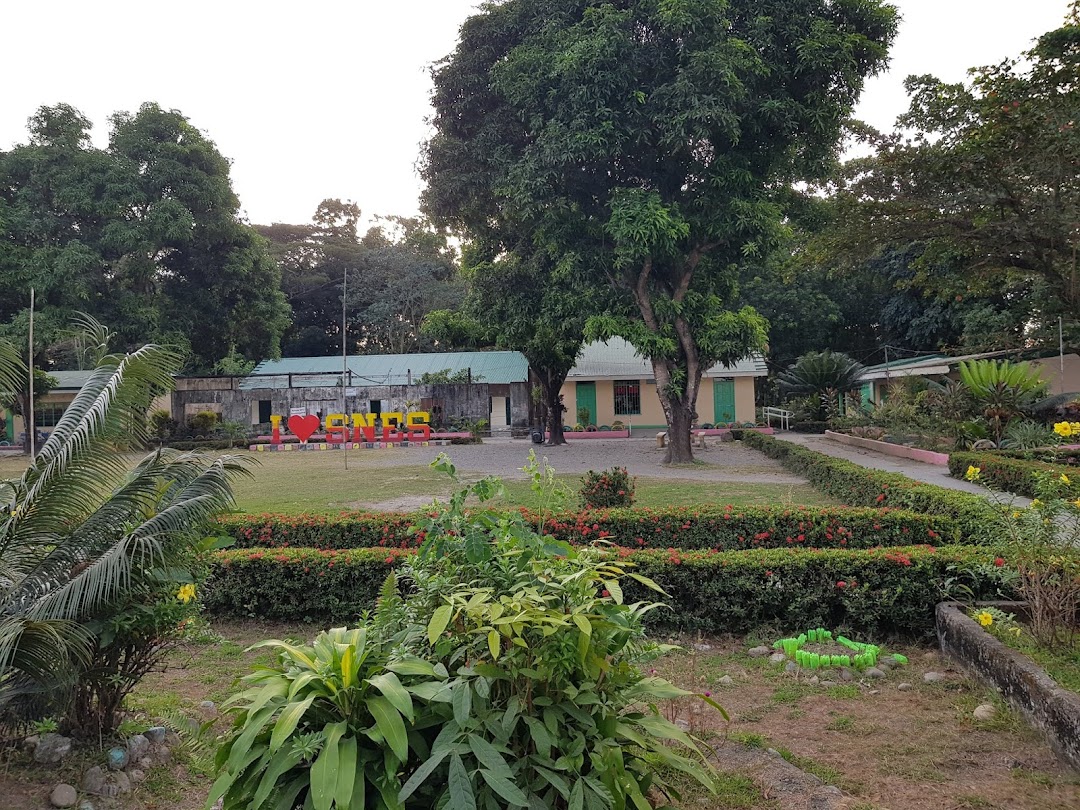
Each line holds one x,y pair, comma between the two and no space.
933,677
828,684
985,712
726,681
791,667
846,674
208,709
875,692
155,734
122,782
137,776
885,664
703,647
51,749
759,652
777,658
117,758
93,781
145,763
63,796
904,687
137,747
160,754
86,804
30,743
814,681
874,672
172,739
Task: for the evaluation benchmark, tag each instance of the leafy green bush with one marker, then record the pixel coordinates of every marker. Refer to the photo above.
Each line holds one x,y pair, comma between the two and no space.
610,488
709,592
523,686
685,527
860,486
203,422
1018,476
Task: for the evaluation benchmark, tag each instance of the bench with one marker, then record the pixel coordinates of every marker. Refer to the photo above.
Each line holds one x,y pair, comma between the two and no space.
697,439
661,440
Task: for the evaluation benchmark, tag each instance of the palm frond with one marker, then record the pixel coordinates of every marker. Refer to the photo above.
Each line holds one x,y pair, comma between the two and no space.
12,371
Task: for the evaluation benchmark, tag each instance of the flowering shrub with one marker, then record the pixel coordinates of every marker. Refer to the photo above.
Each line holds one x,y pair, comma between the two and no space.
859,486
601,490
866,592
1067,430
1014,475
713,527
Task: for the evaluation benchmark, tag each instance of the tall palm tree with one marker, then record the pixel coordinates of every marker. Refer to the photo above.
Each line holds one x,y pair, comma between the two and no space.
80,531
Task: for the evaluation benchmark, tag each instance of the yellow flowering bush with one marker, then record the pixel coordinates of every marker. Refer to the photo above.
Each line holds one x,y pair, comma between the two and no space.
1067,429
972,473
186,593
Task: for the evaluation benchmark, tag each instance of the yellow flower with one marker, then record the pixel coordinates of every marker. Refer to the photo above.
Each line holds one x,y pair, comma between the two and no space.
186,593
985,619
1036,502
972,473
1063,429
1016,514
1076,503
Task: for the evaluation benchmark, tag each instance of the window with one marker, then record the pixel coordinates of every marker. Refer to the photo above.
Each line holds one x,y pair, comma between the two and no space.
627,397
47,414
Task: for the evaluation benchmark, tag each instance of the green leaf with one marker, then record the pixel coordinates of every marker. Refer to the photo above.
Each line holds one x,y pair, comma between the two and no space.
252,728
390,725
324,771
615,589
348,762
287,722
281,762
462,703
577,796
423,772
489,757
584,625
505,788
648,583
493,643
392,690
461,789
439,620
412,666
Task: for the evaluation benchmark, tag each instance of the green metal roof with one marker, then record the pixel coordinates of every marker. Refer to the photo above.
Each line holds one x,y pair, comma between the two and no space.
386,369
70,380
616,358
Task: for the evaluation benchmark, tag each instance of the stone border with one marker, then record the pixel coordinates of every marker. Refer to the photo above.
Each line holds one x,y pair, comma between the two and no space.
890,449
1051,709
792,787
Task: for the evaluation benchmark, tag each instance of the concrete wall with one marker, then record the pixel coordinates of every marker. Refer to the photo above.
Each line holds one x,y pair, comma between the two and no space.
652,413
445,402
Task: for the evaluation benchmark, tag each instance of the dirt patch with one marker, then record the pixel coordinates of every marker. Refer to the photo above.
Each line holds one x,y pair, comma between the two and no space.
890,749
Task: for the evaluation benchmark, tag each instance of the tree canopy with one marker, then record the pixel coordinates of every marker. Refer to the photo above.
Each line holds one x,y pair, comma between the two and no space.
144,235
654,143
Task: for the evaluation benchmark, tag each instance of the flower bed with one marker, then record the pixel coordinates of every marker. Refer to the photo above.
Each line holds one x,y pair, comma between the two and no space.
1046,705
873,593
890,448
1010,474
720,528
860,486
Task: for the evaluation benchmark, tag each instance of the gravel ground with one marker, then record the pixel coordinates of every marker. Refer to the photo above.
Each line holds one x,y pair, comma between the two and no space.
728,461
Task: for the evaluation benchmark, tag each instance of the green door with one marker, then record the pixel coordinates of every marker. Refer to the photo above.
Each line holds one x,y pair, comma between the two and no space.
723,401
867,395
586,398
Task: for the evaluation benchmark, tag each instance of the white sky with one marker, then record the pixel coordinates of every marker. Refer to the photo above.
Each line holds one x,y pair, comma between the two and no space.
328,98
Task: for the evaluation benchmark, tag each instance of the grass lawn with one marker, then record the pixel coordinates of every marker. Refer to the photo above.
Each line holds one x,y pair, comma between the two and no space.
291,483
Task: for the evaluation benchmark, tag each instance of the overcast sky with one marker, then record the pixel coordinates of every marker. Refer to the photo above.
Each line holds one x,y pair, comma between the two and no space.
328,98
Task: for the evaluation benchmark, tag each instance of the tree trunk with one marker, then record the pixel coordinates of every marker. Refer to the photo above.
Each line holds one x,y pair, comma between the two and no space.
679,424
554,408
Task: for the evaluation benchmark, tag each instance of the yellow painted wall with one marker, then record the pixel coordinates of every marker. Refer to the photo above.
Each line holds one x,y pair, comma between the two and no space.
652,413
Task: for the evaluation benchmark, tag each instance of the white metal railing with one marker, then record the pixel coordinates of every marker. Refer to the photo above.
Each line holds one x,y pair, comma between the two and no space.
783,415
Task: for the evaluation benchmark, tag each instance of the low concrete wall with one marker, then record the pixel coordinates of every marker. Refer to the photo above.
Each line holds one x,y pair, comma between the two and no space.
1048,707
768,431
889,449
571,435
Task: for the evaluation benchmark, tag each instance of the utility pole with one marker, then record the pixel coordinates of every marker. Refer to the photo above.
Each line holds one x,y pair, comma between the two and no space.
31,429
1061,353
344,367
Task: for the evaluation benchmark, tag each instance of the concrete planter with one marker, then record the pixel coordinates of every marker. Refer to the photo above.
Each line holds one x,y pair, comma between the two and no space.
890,449
1051,709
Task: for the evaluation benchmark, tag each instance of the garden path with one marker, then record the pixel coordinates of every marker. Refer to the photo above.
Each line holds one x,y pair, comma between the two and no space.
917,470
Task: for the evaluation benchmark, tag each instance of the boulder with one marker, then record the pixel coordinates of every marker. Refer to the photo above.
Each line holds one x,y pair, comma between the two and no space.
985,712
93,780
51,749
759,652
63,796
138,746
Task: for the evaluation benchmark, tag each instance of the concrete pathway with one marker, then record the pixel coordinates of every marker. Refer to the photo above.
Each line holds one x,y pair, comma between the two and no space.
918,470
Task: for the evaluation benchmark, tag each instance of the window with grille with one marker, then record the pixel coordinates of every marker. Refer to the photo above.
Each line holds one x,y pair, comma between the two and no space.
47,414
627,397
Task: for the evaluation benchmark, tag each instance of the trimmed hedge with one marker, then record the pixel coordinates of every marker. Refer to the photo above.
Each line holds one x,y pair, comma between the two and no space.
860,486
1009,474
1069,456
874,593
719,528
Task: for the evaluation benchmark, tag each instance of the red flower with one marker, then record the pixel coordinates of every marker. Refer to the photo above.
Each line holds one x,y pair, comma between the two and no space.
841,584
999,561
604,593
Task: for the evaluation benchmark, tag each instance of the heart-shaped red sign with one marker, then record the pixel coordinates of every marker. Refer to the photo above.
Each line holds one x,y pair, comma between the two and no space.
303,426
